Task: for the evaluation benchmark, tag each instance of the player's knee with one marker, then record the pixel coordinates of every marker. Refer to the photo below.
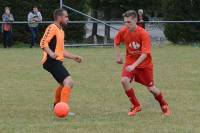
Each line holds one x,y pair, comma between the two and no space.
153,90
68,82
150,88
124,81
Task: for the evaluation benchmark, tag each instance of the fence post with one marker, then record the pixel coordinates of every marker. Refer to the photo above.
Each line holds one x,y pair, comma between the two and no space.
105,40
61,3
95,39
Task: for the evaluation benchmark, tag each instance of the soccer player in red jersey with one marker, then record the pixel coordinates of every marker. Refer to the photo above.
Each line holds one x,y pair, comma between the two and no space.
138,66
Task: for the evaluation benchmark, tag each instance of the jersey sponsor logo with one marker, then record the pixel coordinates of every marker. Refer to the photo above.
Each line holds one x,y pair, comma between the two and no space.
134,45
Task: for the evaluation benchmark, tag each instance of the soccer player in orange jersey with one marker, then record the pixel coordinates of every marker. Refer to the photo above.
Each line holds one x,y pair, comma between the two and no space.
138,66
52,45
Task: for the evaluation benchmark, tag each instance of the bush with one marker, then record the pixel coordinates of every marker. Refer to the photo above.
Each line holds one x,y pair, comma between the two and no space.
184,10
20,10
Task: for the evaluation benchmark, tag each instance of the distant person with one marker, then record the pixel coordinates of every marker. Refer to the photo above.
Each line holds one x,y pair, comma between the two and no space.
8,18
34,17
142,18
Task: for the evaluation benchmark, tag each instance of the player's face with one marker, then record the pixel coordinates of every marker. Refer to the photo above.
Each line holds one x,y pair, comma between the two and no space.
64,18
130,22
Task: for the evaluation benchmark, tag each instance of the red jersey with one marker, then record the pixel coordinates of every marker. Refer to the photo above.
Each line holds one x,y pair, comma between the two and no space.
137,42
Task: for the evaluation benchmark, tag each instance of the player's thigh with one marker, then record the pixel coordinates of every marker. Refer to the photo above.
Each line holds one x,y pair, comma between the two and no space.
125,80
59,72
127,75
145,77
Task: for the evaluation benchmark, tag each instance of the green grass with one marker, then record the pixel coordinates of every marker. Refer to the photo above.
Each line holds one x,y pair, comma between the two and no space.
26,93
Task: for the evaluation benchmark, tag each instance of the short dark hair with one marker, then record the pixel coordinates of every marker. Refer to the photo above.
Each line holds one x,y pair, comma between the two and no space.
58,12
130,13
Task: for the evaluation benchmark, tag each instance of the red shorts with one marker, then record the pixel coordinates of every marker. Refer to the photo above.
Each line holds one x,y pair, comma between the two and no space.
143,76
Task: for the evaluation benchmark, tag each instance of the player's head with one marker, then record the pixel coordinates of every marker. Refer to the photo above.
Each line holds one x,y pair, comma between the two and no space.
61,16
130,19
35,9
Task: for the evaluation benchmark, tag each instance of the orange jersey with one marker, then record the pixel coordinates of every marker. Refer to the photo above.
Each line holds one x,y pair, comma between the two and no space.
137,42
54,39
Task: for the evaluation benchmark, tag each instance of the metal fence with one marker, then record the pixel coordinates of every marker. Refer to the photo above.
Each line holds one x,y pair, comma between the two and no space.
155,28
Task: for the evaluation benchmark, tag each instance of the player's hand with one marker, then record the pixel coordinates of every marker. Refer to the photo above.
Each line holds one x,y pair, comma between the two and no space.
78,59
53,55
130,68
119,60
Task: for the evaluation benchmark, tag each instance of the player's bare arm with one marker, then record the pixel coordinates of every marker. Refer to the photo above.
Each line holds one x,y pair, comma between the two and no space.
137,63
119,58
50,53
74,57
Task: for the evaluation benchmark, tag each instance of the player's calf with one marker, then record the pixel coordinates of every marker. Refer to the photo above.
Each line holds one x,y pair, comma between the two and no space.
57,92
66,90
126,83
159,97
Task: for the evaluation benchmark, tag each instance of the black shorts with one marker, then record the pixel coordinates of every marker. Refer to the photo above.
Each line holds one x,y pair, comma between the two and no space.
57,70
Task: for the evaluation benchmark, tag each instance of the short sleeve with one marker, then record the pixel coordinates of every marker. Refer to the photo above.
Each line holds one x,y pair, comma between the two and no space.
48,35
119,38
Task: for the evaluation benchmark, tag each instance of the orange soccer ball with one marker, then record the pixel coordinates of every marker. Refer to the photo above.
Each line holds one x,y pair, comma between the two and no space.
61,109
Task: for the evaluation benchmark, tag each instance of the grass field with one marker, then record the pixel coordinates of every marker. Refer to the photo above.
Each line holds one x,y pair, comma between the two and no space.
26,93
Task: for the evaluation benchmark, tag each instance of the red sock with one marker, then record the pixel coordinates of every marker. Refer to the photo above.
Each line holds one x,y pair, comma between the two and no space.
65,94
131,94
160,99
57,94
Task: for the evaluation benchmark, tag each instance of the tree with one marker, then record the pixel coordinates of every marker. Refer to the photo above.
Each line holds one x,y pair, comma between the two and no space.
76,32
184,10
109,7
20,9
